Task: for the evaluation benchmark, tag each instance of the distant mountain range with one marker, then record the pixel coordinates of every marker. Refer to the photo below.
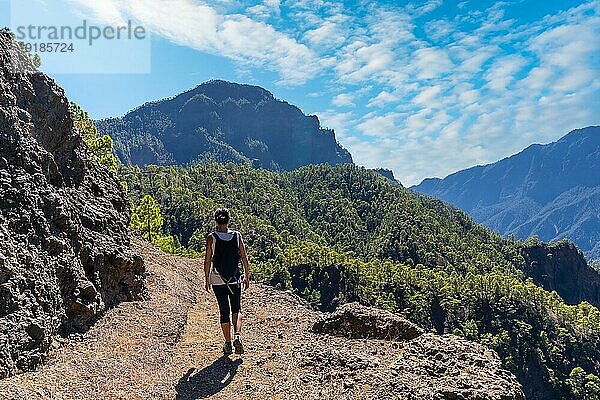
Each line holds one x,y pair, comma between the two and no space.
552,191
223,121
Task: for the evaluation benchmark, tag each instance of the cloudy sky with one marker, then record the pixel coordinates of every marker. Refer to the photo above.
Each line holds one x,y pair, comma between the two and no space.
422,88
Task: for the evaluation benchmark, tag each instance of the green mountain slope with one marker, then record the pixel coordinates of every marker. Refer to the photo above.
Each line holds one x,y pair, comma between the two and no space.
343,233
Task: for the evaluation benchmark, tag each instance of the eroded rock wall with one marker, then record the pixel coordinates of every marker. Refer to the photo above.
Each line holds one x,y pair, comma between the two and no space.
562,267
64,241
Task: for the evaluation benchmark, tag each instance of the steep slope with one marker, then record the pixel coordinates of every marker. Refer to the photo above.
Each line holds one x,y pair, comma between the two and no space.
169,346
552,191
226,122
64,243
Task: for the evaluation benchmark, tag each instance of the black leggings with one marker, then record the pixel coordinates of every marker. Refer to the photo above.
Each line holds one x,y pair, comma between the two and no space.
225,298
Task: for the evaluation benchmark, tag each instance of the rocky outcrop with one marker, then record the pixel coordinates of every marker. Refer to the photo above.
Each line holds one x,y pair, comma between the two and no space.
223,121
64,243
356,321
449,367
428,366
562,267
387,173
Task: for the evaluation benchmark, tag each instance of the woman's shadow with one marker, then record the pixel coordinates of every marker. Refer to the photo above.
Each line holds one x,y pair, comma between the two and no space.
208,381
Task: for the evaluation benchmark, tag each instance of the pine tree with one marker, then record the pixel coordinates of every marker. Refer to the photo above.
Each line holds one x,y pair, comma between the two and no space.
99,147
147,218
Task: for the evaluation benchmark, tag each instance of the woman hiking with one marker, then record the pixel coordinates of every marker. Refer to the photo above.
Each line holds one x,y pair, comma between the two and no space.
224,250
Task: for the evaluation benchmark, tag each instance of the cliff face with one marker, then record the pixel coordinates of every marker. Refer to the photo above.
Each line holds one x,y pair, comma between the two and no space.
223,121
64,244
561,267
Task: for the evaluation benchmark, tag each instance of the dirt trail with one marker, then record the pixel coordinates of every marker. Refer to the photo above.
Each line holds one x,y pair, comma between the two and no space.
169,347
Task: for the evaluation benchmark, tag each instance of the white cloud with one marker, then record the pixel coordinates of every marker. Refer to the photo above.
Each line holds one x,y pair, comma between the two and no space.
343,100
568,44
566,55
391,27
467,97
328,35
538,78
426,121
382,99
340,122
380,126
266,10
107,12
431,62
539,81
440,30
427,95
361,61
470,89
201,27
472,55
503,71
429,6
273,4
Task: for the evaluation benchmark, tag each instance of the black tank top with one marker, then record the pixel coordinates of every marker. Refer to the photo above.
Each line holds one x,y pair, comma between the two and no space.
226,257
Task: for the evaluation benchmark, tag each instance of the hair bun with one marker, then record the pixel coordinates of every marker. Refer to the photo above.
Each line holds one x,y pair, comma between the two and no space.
222,215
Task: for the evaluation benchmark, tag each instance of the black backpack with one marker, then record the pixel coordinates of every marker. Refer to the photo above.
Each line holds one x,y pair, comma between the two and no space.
226,258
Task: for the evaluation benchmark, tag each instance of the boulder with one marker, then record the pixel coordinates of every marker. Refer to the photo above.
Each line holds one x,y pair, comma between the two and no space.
355,321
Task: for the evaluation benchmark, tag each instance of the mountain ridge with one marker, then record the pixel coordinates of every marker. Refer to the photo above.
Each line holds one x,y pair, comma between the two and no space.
427,261
223,121
546,190
339,234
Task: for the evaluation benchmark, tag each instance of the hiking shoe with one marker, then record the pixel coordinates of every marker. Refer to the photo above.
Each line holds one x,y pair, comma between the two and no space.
227,350
237,343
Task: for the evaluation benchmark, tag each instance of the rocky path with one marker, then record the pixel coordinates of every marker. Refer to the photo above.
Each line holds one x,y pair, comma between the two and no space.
169,347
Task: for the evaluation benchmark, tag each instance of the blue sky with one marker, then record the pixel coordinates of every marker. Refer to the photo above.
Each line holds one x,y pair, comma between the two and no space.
422,88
